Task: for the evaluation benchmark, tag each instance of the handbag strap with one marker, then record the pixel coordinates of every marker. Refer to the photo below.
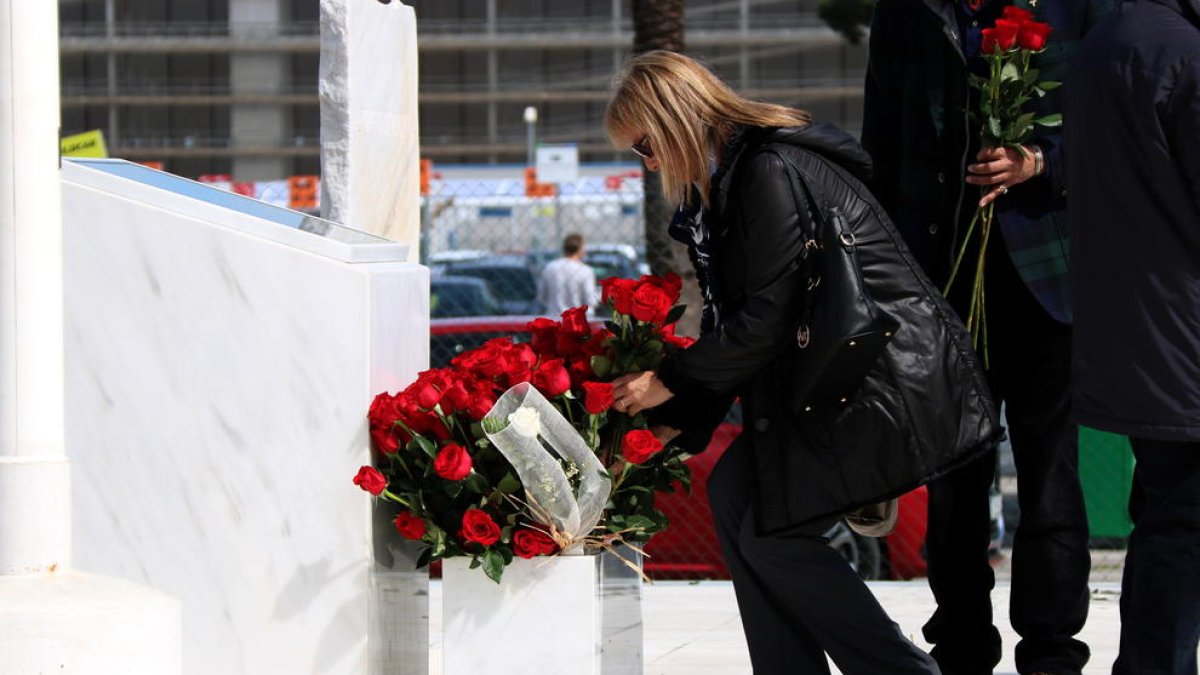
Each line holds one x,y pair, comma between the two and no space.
812,244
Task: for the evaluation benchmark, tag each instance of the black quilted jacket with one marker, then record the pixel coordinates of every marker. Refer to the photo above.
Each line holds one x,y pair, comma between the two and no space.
923,409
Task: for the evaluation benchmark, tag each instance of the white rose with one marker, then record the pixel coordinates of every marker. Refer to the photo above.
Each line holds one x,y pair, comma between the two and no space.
526,421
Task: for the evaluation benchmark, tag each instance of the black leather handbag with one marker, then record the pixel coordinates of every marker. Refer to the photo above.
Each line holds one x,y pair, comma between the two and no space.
842,332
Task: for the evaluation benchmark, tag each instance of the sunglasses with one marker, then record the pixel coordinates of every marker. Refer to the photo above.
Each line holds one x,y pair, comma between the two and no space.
642,148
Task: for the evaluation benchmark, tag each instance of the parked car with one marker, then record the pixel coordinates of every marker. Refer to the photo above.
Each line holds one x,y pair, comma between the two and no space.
509,277
689,549
456,296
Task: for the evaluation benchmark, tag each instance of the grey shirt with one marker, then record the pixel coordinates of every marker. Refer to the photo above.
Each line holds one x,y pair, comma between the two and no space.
567,283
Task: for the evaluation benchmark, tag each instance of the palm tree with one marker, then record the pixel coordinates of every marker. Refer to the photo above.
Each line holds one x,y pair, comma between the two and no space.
658,24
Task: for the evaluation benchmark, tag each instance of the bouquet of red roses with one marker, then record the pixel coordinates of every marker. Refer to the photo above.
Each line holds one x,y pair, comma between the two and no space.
459,490
1009,47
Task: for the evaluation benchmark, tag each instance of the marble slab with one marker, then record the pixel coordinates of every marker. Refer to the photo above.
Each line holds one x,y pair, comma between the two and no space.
217,385
370,154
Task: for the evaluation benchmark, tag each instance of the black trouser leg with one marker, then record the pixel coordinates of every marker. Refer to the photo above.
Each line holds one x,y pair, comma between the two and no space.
1160,591
1029,357
960,576
798,598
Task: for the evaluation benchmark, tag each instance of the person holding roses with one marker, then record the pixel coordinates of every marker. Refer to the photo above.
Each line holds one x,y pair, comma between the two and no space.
734,166
922,128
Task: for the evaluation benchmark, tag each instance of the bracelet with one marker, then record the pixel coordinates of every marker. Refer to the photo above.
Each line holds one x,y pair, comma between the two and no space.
1039,159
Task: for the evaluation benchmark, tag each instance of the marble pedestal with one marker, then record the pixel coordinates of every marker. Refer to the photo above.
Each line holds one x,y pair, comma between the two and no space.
578,614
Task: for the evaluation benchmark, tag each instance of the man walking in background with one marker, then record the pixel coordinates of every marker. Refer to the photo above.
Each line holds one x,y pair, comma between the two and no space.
1132,129
567,282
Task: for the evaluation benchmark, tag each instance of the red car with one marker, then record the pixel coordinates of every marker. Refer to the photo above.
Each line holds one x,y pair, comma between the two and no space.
688,549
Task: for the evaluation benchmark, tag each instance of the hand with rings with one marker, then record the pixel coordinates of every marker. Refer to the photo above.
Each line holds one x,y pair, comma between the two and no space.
636,392
1003,168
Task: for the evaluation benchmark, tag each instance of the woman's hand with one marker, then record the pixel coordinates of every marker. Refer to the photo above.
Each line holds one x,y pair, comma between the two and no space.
636,392
1002,167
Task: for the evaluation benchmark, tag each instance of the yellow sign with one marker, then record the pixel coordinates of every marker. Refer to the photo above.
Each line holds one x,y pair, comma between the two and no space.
87,144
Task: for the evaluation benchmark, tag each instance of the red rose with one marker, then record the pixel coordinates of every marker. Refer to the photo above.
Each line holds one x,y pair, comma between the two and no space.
552,378
1016,14
581,371
481,403
385,410
575,323
640,445
409,525
987,42
596,345
479,528
371,480
651,303
671,283
668,336
385,439
597,397
1006,34
618,293
455,398
545,335
487,360
1032,35
528,542
452,462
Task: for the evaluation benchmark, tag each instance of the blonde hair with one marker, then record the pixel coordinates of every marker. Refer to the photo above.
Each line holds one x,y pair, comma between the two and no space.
684,110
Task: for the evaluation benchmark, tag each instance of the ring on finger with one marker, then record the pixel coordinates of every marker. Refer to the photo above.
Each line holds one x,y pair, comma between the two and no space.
1003,189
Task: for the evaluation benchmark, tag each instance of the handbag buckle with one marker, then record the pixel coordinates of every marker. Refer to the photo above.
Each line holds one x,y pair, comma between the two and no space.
803,337
848,239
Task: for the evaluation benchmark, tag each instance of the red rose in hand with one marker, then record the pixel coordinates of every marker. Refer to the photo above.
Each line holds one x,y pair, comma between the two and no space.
1032,35
668,336
409,525
595,346
1016,14
479,528
987,42
545,335
552,378
651,303
618,293
640,445
581,371
597,397
528,542
371,480
452,462
1006,34
671,283
574,322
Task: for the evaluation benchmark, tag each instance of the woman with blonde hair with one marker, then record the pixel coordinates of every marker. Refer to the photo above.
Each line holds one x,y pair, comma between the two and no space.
756,184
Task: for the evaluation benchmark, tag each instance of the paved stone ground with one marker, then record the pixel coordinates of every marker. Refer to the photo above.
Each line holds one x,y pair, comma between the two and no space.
694,629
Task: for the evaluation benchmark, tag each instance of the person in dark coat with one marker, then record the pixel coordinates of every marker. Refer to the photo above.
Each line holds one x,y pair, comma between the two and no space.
930,175
1133,98
736,167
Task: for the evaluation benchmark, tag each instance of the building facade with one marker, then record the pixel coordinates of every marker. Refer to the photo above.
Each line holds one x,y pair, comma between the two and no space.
230,86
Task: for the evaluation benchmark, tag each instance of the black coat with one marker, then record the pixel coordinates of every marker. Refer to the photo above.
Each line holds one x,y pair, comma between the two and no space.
1132,127
924,408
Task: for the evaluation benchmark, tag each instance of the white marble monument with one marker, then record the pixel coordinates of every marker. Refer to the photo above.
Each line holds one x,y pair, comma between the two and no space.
221,356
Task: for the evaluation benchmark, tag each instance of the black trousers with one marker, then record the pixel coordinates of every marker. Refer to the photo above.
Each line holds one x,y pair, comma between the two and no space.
1030,369
798,597
1160,591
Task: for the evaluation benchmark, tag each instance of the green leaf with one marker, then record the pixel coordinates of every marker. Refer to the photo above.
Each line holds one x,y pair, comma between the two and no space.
675,314
1049,85
494,425
475,562
977,81
994,128
1010,73
493,564
476,482
427,446
439,541
426,556
509,484
601,366
453,488
1054,120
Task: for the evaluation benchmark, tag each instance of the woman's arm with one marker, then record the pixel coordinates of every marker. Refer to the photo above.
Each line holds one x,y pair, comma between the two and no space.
747,340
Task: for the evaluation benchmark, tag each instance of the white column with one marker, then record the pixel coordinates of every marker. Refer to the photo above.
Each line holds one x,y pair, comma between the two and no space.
370,156
51,618
34,489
